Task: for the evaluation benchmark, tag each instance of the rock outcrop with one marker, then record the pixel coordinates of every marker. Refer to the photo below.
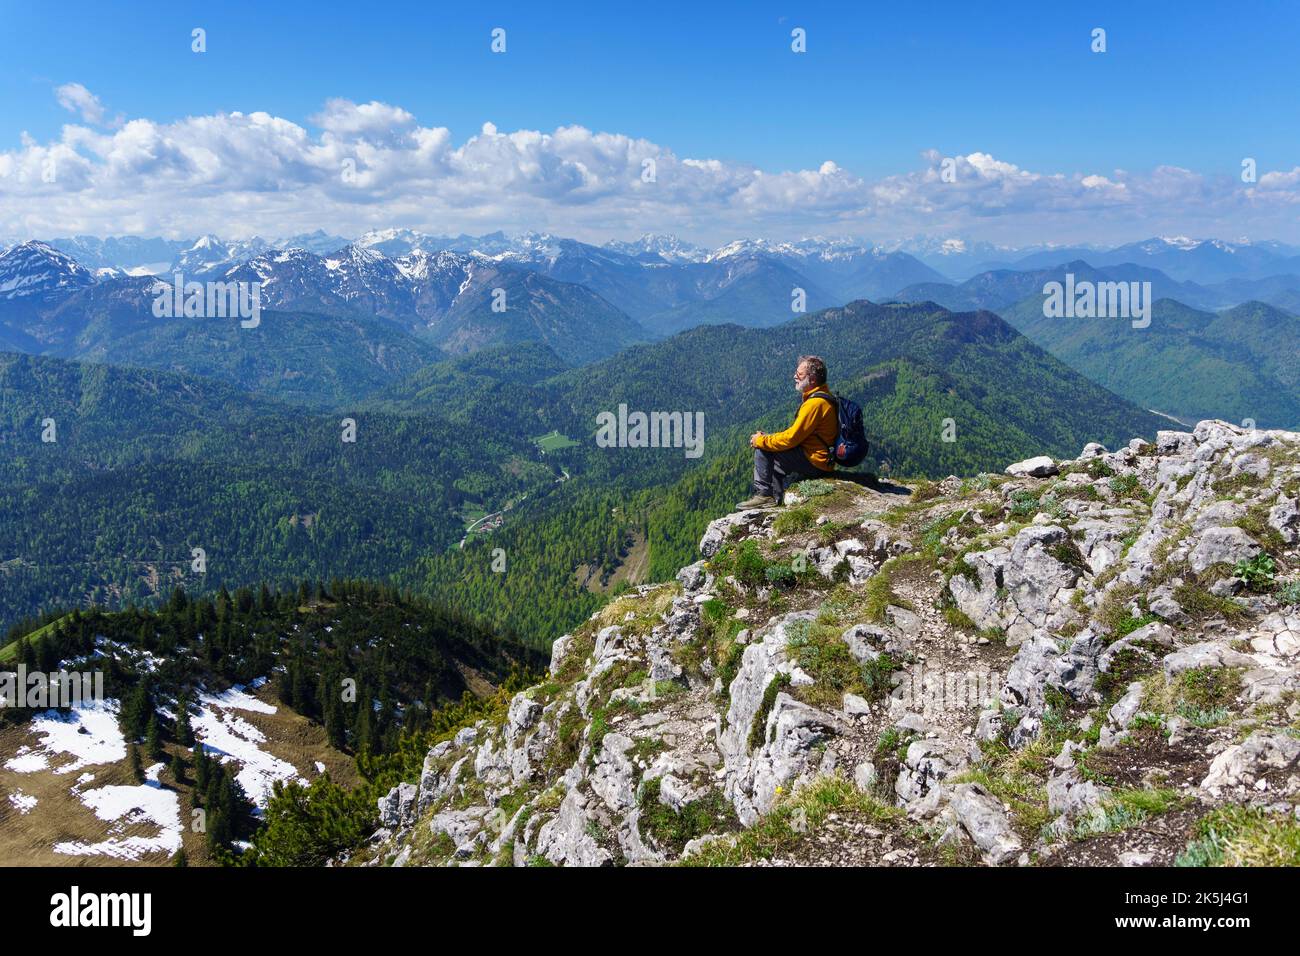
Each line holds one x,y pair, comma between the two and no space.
1012,669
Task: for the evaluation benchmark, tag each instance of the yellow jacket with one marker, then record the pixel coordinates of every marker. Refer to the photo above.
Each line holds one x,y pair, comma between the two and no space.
815,428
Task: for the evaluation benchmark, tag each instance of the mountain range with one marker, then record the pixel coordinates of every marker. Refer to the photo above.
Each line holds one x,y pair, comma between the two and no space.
999,288
954,258
1183,258
585,302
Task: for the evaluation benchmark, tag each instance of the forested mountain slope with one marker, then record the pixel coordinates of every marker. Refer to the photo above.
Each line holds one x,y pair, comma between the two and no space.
1242,363
146,466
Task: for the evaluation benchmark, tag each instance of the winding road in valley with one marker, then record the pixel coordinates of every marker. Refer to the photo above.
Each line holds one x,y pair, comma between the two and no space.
481,522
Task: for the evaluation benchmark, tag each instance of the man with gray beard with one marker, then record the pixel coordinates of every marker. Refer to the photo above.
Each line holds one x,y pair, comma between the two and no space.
803,449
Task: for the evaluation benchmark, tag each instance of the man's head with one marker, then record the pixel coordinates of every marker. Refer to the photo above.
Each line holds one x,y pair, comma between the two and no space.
810,371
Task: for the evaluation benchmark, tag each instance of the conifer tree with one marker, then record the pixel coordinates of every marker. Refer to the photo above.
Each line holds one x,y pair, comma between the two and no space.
334,722
153,738
200,768
178,602
363,725
284,686
184,733
136,712
47,655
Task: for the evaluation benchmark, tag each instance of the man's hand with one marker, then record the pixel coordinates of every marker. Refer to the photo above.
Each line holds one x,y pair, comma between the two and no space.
753,439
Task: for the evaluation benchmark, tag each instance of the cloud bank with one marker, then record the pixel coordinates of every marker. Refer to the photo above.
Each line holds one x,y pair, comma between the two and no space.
364,165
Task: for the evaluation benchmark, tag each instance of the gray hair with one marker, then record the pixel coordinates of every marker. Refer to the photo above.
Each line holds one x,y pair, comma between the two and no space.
816,368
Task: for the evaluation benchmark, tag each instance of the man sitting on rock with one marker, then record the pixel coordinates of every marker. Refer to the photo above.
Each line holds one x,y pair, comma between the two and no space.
801,451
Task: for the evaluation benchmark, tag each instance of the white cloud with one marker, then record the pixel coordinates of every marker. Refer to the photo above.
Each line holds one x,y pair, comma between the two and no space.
374,165
75,98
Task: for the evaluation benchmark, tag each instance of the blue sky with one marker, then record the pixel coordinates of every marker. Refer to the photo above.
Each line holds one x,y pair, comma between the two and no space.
1181,84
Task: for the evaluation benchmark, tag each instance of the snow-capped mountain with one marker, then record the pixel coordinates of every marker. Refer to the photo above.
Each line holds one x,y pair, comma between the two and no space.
652,247
956,257
443,296
538,248
825,248
37,269
358,278
318,242
1184,258
667,284
211,254
1210,260
845,268
400,242
137,255
748,247
133,255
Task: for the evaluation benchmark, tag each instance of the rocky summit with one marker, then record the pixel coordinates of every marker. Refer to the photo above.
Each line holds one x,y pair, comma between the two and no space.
1089,661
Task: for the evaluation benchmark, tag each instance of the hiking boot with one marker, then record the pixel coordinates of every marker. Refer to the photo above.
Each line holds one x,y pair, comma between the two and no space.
758,501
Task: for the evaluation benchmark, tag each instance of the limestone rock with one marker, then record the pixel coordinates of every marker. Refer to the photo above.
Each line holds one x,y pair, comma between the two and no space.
1263,753
1220,545
984,819
1041,467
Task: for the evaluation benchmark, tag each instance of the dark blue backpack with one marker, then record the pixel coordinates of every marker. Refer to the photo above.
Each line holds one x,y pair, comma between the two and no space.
851,443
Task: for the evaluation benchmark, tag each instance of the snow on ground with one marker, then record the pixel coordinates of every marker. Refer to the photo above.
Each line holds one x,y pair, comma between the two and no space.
88,733
23,802
138,657
230,736
27,760
320,767
128,806
238,699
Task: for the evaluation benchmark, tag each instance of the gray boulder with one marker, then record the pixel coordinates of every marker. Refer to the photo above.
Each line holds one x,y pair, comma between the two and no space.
1222,546
1040,467
720,531
1245,764
984,819
1205,654
397,807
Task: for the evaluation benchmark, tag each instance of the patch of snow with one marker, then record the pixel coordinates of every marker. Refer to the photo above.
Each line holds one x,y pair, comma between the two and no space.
138,657
23,802
149,269
88,733
122,807
233,738
27,761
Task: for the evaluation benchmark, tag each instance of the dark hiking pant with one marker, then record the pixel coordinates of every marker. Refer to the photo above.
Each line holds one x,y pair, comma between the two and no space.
775,470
